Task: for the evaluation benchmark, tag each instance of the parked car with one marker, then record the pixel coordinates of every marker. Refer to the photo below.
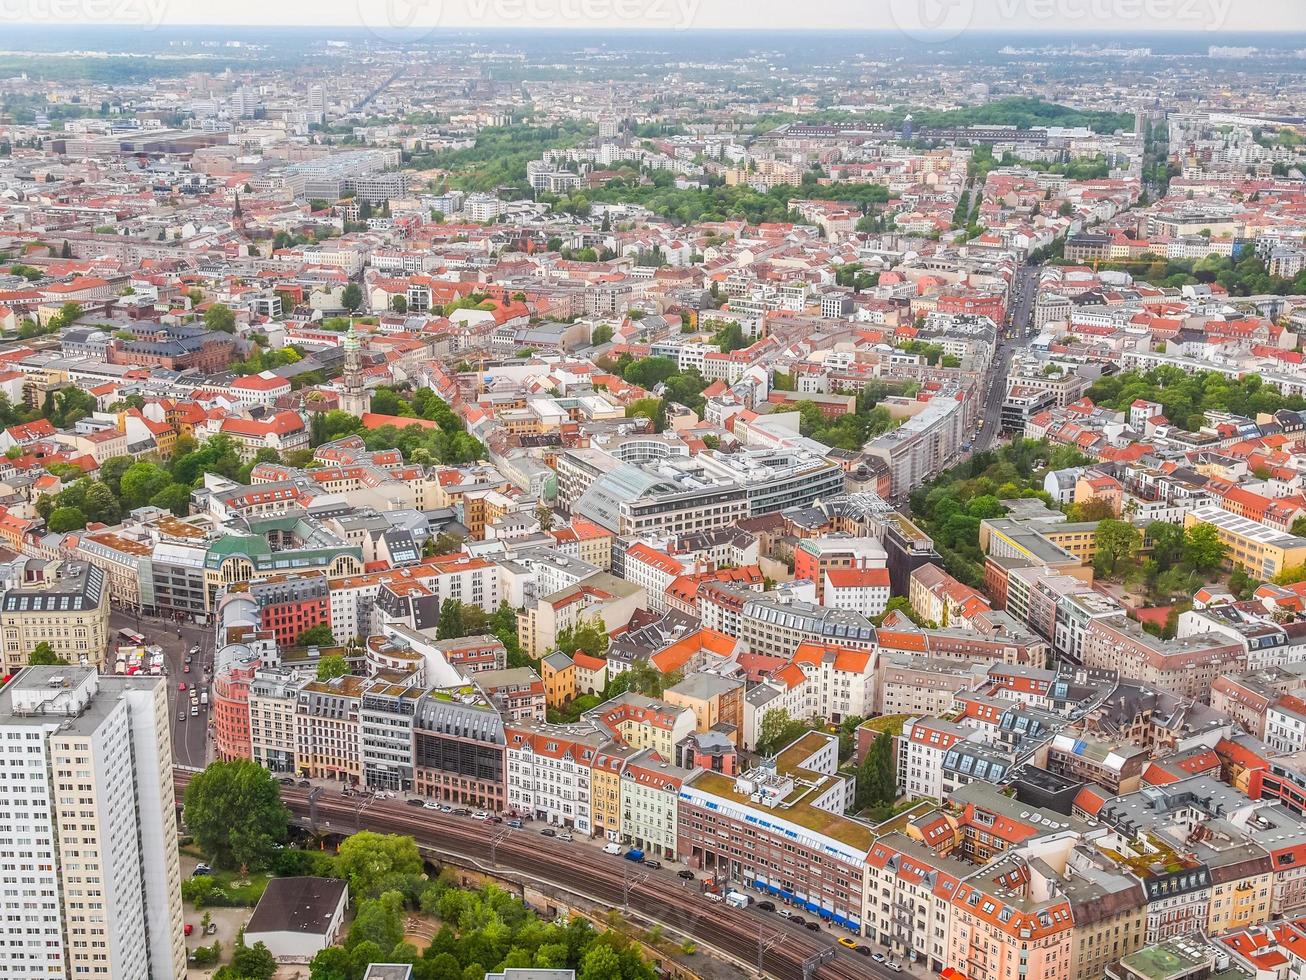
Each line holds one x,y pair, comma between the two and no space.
863,950
686,874
813,926
432,805
188,929
287,780
878,957
201,870
784,913
445,808
766,906
548,832
514,823
895,966
634,854
304,784
798,920
847,943
481,815
416,802
565,836
650,863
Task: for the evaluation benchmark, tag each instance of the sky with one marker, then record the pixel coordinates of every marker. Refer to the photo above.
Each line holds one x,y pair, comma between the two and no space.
928,19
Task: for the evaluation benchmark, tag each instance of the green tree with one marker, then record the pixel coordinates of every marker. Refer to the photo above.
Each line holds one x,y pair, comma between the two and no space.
902,604
588,636
602,334
1116,541
399,304
369,860
380,921
66,519
317,636
877,777
250,962
331,666
43,655
1203,548
141,482
777,730
234,811
1167,540
352,297
175,497
220,318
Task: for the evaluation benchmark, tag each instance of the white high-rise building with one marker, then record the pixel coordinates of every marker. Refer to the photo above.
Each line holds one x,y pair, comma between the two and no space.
90,883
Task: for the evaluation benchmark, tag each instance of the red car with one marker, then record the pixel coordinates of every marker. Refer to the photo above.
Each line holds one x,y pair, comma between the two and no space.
181,686
186,669
188,930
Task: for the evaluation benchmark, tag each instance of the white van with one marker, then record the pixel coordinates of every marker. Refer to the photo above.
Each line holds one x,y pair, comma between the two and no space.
737,900
712,896
612,847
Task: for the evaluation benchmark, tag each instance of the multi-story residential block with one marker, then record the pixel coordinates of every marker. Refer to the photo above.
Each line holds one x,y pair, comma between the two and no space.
643,722
327,730
93,882
273,695
63,604
781,829
650,797
549,772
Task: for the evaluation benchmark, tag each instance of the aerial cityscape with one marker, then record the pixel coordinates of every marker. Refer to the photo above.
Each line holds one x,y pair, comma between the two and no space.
586,489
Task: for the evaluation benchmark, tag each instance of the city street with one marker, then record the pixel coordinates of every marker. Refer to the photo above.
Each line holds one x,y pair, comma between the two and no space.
190,736
1024,292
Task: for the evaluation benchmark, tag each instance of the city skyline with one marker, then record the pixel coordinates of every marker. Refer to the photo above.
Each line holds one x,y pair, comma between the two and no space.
928,19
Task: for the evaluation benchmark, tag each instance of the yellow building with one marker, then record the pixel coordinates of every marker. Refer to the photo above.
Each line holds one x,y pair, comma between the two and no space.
1260,550
68,609
605,789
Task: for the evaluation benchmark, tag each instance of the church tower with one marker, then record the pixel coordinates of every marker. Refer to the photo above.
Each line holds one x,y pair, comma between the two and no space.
354,397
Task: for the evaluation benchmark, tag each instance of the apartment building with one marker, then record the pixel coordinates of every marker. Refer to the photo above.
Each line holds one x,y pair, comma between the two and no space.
650,796
273,694
549,772
92,880
64,604
768,624
326,729
1186,667
780,828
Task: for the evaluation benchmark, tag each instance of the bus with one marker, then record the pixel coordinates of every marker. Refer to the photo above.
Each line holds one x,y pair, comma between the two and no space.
130,638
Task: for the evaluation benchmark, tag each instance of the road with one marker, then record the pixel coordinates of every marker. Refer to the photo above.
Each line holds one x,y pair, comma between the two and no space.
190,736
658,895
1024,292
